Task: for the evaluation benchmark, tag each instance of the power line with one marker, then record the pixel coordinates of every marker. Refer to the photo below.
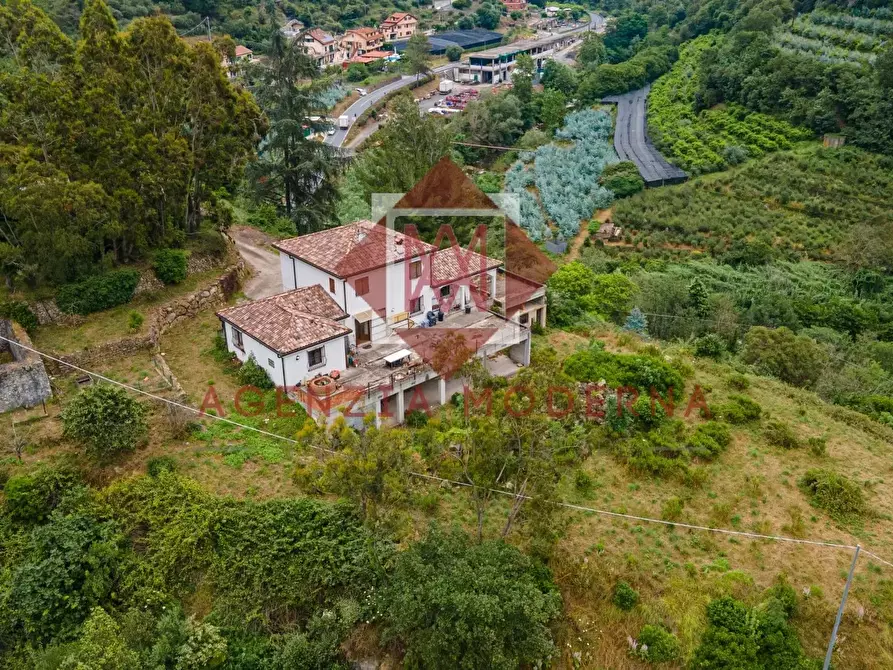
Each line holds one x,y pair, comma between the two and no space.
421,475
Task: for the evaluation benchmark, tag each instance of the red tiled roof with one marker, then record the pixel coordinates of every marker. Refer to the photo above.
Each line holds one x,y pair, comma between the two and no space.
396,17
242,51
366,32
352,249
377,53
320,36
290,321
454,263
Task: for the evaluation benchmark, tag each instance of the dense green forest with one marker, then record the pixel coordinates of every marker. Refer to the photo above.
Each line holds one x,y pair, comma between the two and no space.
112,145
249,22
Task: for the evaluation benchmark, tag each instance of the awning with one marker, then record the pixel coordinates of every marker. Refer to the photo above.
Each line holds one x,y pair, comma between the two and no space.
397,355
363,317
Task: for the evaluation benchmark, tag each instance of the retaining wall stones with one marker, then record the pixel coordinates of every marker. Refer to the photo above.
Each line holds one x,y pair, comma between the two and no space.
24,381
160,321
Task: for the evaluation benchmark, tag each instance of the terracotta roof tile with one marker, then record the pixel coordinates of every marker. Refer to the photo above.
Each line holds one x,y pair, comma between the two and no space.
352,249
396,17
366,32
320,36
290,321
454,263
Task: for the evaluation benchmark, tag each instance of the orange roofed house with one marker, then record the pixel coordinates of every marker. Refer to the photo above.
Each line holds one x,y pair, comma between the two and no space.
360,41
320,46
399,26
380,321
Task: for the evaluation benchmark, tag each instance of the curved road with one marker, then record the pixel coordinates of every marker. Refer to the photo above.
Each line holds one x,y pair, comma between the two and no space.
596,24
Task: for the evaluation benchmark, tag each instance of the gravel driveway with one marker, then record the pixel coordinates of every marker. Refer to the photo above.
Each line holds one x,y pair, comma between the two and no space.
254,246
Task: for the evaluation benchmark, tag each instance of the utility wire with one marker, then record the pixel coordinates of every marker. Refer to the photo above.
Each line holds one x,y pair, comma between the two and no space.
421,475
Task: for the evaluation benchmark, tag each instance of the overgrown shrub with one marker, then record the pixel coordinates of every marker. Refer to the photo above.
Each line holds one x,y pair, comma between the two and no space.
416,418
640,372
170,265
779,434
252,374
19,312
795,359
651,414
31,498
657,645
672,509
710,345
818,446
454,604
623,179
105,419
71,566
834,493
625,596
709,439
738,382
134,320
98,293
738,410
158,464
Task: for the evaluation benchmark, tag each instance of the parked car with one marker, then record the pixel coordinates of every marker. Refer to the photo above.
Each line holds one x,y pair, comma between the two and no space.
362,91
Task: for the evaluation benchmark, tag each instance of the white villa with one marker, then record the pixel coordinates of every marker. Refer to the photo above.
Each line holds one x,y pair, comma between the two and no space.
366,309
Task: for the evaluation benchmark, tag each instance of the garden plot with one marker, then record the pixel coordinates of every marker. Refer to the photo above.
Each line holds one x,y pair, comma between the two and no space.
559,182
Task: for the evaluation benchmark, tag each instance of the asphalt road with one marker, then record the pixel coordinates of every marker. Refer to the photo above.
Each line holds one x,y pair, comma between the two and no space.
596,24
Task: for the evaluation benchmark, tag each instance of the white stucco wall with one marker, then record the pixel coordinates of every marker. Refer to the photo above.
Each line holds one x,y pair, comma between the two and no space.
262,354
296,368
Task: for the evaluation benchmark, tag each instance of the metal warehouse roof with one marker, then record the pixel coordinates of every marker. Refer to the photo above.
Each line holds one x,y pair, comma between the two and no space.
465,39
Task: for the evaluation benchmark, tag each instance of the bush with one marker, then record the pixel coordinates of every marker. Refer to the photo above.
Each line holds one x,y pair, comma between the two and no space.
134,320
709,439
98,293
158,464
357,72
19,312
416,418
71,567
739,410
639,371
252,374
651,413
795,359
657,645
456,604
710,346
818,446
779,434
672,509
623,179
105,419
625,596
31,498
170,265
834,493
738,382
454,53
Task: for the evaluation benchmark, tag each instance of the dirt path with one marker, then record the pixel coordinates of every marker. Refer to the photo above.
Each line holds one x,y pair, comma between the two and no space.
254,246
573,254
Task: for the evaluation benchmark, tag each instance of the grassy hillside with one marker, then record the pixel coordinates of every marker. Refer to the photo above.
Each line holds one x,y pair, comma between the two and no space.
751,485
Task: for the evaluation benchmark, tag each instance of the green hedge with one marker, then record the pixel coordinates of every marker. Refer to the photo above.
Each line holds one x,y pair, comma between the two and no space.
170,265
98,293
20,313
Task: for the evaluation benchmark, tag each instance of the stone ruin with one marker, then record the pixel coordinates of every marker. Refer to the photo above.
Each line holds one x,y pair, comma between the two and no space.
23,379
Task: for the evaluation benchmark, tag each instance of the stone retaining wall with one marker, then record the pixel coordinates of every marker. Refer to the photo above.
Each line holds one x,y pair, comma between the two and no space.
161,320
24,382
48,313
